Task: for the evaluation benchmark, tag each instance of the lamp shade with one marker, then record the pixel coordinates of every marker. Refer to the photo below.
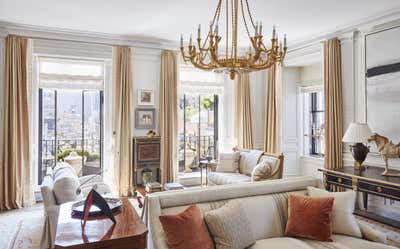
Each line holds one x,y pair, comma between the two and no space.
357,133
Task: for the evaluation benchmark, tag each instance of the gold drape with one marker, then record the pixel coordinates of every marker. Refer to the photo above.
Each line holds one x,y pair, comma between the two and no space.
169,115
333,105
15,168
243,119
122,120
272,107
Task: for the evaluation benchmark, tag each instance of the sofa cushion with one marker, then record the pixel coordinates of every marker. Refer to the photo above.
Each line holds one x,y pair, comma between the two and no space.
310,217
261,172
230,233
228,162
220,178
65,185
339,242
343,220
249,160
281,243
186,230
372,234
351,242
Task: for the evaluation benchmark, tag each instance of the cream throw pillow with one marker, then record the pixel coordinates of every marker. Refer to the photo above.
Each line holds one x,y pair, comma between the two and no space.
228,162
230,227
371,234
261,172
343,220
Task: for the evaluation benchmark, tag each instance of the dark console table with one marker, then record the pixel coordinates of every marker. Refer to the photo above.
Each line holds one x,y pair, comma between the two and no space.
369,181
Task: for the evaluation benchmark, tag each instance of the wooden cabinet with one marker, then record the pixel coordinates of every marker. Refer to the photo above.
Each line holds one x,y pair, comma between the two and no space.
146,155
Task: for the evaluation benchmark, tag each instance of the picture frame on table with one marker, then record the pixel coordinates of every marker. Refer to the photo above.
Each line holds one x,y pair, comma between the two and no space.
145,118
145,97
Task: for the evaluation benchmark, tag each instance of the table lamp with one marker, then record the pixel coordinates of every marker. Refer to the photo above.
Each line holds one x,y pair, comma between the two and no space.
358,134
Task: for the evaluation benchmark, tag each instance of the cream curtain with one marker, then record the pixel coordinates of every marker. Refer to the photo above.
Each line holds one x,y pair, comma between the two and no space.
169,115
243,119
333,104
273,110
15,161
122,120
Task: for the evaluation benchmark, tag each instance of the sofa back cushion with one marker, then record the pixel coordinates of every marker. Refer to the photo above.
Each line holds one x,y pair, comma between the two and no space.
65,184
227,232
267,214
228,162
249,160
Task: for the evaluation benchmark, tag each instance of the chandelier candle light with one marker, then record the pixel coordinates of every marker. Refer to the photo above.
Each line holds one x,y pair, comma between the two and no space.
205,54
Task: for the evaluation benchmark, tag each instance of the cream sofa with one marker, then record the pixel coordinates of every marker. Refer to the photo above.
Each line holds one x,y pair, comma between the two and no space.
264,203
248,161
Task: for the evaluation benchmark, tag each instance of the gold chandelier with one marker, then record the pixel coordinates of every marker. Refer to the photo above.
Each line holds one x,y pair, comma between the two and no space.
206,55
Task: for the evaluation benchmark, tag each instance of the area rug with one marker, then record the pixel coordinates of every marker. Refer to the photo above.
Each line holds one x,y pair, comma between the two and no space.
22,228
393,234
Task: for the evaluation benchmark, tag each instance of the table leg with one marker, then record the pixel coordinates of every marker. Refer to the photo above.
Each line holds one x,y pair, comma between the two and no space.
201,176
207,176
365,200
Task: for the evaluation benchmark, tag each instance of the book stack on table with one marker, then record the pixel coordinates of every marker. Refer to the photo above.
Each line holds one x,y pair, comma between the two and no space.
173,186
153,187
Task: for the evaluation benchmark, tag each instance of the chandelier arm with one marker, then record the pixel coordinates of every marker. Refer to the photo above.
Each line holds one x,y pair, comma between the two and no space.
250,15
234,29
227,29
245,21
217,13
201,65
265,65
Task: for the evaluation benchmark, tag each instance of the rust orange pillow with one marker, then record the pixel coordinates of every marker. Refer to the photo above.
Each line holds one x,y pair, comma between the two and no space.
187,230
310,217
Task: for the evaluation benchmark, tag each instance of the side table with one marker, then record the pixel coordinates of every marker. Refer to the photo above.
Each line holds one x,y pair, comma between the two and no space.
208,166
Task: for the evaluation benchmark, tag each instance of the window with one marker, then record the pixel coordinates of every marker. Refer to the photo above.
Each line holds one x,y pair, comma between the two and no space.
200,93
70,114
314,123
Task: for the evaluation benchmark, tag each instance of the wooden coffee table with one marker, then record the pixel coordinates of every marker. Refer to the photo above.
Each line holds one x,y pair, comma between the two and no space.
128,233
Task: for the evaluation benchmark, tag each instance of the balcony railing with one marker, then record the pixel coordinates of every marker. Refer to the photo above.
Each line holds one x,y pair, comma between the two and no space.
51,148
194,148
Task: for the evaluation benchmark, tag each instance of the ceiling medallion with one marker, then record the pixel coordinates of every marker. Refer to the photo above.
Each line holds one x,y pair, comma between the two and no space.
207,56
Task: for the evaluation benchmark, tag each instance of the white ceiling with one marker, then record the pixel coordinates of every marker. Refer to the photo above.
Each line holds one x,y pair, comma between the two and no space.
167,19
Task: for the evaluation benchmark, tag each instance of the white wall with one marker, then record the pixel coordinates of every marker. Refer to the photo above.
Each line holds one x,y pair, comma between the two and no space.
146,66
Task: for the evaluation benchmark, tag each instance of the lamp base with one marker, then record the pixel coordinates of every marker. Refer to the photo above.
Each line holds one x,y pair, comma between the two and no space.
360,152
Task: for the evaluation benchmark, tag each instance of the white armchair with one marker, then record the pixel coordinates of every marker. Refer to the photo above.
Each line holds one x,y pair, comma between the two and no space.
60,186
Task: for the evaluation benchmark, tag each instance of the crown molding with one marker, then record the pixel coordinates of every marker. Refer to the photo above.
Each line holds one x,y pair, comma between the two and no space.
41,32
362,25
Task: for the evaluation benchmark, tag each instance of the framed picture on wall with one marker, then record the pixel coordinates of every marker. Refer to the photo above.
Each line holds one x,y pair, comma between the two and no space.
145,118
145,97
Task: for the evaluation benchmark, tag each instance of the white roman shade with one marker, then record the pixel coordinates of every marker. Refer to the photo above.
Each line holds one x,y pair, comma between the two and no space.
197,81
71,73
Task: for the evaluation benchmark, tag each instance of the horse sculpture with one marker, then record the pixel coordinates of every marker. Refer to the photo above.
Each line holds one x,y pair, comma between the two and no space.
387,150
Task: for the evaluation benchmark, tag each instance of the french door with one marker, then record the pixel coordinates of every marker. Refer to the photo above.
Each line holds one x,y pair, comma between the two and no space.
71,121
198,129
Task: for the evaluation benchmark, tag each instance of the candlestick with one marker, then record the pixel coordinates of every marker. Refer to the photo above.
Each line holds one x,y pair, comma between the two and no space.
273,32
199,32
181,41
